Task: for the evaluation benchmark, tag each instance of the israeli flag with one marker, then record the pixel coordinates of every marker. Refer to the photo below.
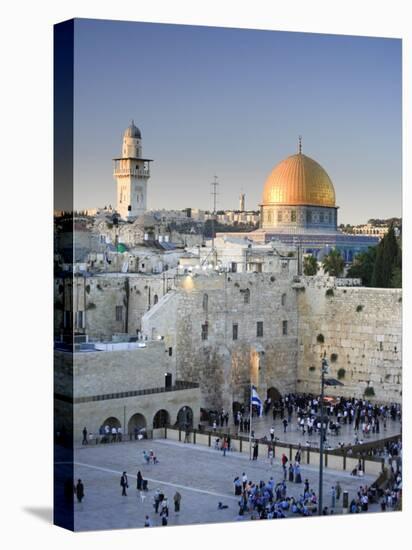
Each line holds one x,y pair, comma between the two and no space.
257,401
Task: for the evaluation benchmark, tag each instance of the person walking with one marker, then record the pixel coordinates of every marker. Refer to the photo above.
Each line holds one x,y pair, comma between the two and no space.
139,481
177,499
156,501
333,497
79,490
338,490
124,484
272,434
244,481
285,424
84,442
255,450
291,473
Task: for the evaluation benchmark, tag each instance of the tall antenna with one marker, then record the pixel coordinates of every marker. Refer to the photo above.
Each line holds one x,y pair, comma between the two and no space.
214,192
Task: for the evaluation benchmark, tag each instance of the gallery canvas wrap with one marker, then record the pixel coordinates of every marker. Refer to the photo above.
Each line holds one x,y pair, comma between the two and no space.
228,275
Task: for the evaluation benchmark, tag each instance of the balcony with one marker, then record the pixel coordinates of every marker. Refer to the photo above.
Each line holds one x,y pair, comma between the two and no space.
123,172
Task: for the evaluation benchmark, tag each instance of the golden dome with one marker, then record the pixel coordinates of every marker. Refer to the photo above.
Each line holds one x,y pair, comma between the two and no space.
299,180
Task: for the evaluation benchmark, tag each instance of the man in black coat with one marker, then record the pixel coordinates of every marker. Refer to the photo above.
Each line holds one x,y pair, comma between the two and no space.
124,483
79,490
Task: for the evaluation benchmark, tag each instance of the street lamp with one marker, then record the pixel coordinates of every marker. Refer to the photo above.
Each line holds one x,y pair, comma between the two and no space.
327,382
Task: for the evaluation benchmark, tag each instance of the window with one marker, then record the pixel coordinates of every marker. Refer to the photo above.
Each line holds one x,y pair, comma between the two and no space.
170,352
269,217
293,215
155,299
321,217
308,216
259,329
205,331
235,331
119,313
205,302
246,296
283,299
279,215
284,328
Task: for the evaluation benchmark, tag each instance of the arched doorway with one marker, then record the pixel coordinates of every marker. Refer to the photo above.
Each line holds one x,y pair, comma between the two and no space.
161,419
185,417
273,394
236,406
112,422
136,422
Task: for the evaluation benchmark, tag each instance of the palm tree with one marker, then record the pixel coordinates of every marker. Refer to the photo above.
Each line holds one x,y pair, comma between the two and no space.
333,263
310,265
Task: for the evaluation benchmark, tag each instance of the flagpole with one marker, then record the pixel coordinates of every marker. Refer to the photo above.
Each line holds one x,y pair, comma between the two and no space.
250,423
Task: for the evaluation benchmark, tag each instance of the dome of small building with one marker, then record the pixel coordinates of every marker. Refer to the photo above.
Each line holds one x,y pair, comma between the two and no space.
133,131
298,180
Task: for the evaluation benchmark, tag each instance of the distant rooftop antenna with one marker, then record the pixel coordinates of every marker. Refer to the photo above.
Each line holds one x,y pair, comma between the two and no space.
214,192
300,145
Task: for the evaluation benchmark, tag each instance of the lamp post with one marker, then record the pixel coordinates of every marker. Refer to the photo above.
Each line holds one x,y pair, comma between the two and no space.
324,370
328,382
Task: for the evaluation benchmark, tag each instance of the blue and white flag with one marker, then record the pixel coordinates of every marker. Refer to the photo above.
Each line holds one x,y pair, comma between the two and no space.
257,401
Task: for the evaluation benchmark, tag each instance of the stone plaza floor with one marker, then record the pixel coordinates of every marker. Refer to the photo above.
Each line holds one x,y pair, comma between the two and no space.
201,474
293,434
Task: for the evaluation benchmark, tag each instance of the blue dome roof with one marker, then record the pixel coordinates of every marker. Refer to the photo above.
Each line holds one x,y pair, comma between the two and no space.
133,131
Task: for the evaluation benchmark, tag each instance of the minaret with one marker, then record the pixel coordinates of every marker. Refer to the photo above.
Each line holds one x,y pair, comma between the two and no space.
242,202
132,172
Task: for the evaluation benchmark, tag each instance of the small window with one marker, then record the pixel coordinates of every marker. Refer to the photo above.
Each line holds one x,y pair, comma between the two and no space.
155,299
279,215
259,329
205,302
246,296
170,352
309,216
293,215
321,217
284,328
119,313
235,328
205,331
283,299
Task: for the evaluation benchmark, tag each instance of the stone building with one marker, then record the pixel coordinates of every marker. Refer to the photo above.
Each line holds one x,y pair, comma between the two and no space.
227,330
132,385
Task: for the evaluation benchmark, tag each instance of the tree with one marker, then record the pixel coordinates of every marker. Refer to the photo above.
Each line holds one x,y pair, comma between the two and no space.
388,258
333,263
362,266
396,280
310,265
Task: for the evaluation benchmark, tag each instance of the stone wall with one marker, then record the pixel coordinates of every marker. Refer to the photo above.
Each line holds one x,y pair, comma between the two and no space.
90,374
97,297
225,366
362,334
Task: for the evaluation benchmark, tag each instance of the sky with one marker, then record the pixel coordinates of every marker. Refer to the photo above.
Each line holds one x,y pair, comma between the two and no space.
232,103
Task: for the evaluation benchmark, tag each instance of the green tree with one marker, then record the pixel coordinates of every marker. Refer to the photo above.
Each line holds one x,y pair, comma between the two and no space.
388,259
333,263
396,280
310,265
362,266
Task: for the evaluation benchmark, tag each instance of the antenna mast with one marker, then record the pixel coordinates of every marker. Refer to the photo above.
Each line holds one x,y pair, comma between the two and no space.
214,192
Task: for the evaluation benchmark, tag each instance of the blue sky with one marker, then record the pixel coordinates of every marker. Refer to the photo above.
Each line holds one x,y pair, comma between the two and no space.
232,102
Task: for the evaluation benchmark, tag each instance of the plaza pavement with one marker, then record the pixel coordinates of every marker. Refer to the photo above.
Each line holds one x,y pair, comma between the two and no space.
261,427
201,474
